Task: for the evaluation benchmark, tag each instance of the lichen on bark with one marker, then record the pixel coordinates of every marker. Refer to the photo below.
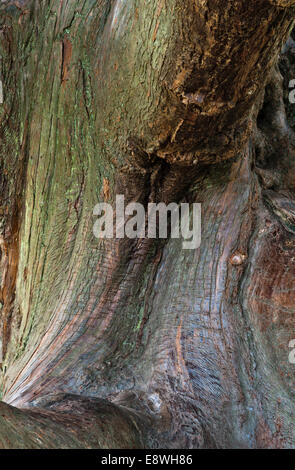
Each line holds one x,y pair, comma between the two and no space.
160,102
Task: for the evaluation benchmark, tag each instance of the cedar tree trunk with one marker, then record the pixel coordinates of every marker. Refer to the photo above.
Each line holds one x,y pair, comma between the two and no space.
140,343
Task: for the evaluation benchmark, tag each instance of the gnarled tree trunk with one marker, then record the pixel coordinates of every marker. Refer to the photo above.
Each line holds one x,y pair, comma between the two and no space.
139,343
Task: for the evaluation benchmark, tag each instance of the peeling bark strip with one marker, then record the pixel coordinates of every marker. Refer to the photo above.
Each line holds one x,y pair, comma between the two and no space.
138,343
9,267
66,59
13,146
1,92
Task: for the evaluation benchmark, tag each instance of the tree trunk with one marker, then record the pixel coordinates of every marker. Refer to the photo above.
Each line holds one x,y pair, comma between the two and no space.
139,343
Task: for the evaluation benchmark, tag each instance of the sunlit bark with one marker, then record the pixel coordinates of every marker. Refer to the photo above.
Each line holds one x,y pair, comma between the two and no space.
158,101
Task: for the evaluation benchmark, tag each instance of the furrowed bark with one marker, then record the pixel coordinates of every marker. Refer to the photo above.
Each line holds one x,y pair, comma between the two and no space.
160,103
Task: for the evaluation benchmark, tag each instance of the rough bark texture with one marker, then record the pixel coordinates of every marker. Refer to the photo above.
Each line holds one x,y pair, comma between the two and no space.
139,343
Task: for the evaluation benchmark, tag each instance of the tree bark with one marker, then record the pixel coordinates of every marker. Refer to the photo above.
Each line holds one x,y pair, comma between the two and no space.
139,343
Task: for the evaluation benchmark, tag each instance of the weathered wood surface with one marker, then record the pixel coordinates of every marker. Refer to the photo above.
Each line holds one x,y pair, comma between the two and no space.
158,101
